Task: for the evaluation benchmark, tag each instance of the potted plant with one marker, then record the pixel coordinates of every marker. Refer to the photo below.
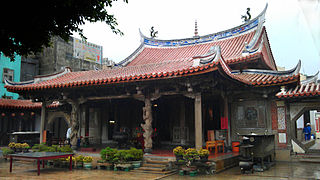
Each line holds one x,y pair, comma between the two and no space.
107,155
79,161
137,155
6,151
25,147
203,154
121,159
87,162
190,156
18,147
178,152
12,146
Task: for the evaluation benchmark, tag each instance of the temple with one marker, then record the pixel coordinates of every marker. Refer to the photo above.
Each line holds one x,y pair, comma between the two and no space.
176,91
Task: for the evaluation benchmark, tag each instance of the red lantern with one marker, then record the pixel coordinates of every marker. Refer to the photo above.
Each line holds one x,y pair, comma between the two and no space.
22,114
13,114
3,114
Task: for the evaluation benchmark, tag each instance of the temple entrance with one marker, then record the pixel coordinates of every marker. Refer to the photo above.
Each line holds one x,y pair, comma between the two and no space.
173,122
56,131
212,117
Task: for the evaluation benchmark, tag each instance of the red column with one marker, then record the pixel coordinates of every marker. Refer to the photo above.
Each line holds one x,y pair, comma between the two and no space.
10,163
70,166
38,167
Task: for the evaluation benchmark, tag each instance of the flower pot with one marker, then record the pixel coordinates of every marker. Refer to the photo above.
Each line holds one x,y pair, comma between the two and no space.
87,165
109,166
203,158
136,164
179,157
79,165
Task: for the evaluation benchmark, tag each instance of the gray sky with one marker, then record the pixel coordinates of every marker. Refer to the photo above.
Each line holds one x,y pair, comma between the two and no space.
293,26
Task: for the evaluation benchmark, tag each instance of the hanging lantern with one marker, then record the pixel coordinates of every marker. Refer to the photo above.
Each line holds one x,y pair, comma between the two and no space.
3,114
22,114
32,113
13,114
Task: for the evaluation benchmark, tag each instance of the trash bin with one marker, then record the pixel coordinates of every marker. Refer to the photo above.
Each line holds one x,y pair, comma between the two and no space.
235,146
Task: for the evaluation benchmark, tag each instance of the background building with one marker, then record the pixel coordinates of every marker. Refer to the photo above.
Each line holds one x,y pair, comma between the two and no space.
11,71
77,54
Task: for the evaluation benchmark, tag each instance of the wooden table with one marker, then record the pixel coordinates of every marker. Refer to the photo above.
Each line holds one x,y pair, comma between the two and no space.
40,156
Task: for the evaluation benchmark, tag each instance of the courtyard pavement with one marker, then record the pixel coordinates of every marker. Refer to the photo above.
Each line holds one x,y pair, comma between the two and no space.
282,170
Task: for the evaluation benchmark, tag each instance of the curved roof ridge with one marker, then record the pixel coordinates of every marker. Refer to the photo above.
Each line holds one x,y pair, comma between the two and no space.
245,27
40,78
312,79
293,71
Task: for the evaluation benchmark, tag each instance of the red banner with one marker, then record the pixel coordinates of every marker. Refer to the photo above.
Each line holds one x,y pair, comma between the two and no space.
224,123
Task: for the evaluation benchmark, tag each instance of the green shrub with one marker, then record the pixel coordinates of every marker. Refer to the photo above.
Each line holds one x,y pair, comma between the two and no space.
6,151
137,154
107,154
40,147
122,156
65,149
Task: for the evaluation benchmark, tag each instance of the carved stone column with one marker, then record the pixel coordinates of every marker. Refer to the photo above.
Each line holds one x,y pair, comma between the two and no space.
74,123
147,126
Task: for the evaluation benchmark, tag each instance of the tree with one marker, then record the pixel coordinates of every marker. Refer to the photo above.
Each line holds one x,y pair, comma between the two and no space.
26,27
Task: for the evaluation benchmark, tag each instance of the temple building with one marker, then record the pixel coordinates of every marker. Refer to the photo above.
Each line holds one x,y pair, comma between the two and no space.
179,90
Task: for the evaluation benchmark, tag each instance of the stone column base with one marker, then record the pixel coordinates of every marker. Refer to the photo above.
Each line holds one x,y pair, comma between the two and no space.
147,150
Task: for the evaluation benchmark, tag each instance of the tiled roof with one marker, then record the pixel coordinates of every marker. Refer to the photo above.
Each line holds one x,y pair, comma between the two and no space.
307,88
256,77
23,104
303,90
231,48
156,59
110,76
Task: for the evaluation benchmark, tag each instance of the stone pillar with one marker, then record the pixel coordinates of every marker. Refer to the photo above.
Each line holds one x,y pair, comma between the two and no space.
43,118
198,121
147,126
74,123
182,123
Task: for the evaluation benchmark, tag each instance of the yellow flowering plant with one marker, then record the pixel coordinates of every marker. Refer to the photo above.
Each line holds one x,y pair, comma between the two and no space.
12,145
87,159
68,159
191,154
203,152
178,151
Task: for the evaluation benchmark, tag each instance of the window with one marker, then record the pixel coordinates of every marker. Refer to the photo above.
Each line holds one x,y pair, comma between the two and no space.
7,74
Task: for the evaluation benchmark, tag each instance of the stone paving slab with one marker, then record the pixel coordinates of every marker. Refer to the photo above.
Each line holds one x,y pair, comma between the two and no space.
282,170
28,170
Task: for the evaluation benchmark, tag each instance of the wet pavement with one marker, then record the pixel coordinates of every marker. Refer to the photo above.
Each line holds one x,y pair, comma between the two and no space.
282,170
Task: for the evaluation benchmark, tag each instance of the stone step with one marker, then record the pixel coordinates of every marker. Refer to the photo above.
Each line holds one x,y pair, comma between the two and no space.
154,165
149,161
311,160
309,155
151,169
154,172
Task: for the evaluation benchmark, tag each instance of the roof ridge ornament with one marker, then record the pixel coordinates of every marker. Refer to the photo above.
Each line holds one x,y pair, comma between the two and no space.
212,55
196,34
312,79
153,33
248,47
245,17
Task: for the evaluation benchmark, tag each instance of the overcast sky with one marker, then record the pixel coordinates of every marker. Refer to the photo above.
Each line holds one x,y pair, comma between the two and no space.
293,26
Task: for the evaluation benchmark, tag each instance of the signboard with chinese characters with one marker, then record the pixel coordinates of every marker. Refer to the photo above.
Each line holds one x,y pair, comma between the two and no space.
87,51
